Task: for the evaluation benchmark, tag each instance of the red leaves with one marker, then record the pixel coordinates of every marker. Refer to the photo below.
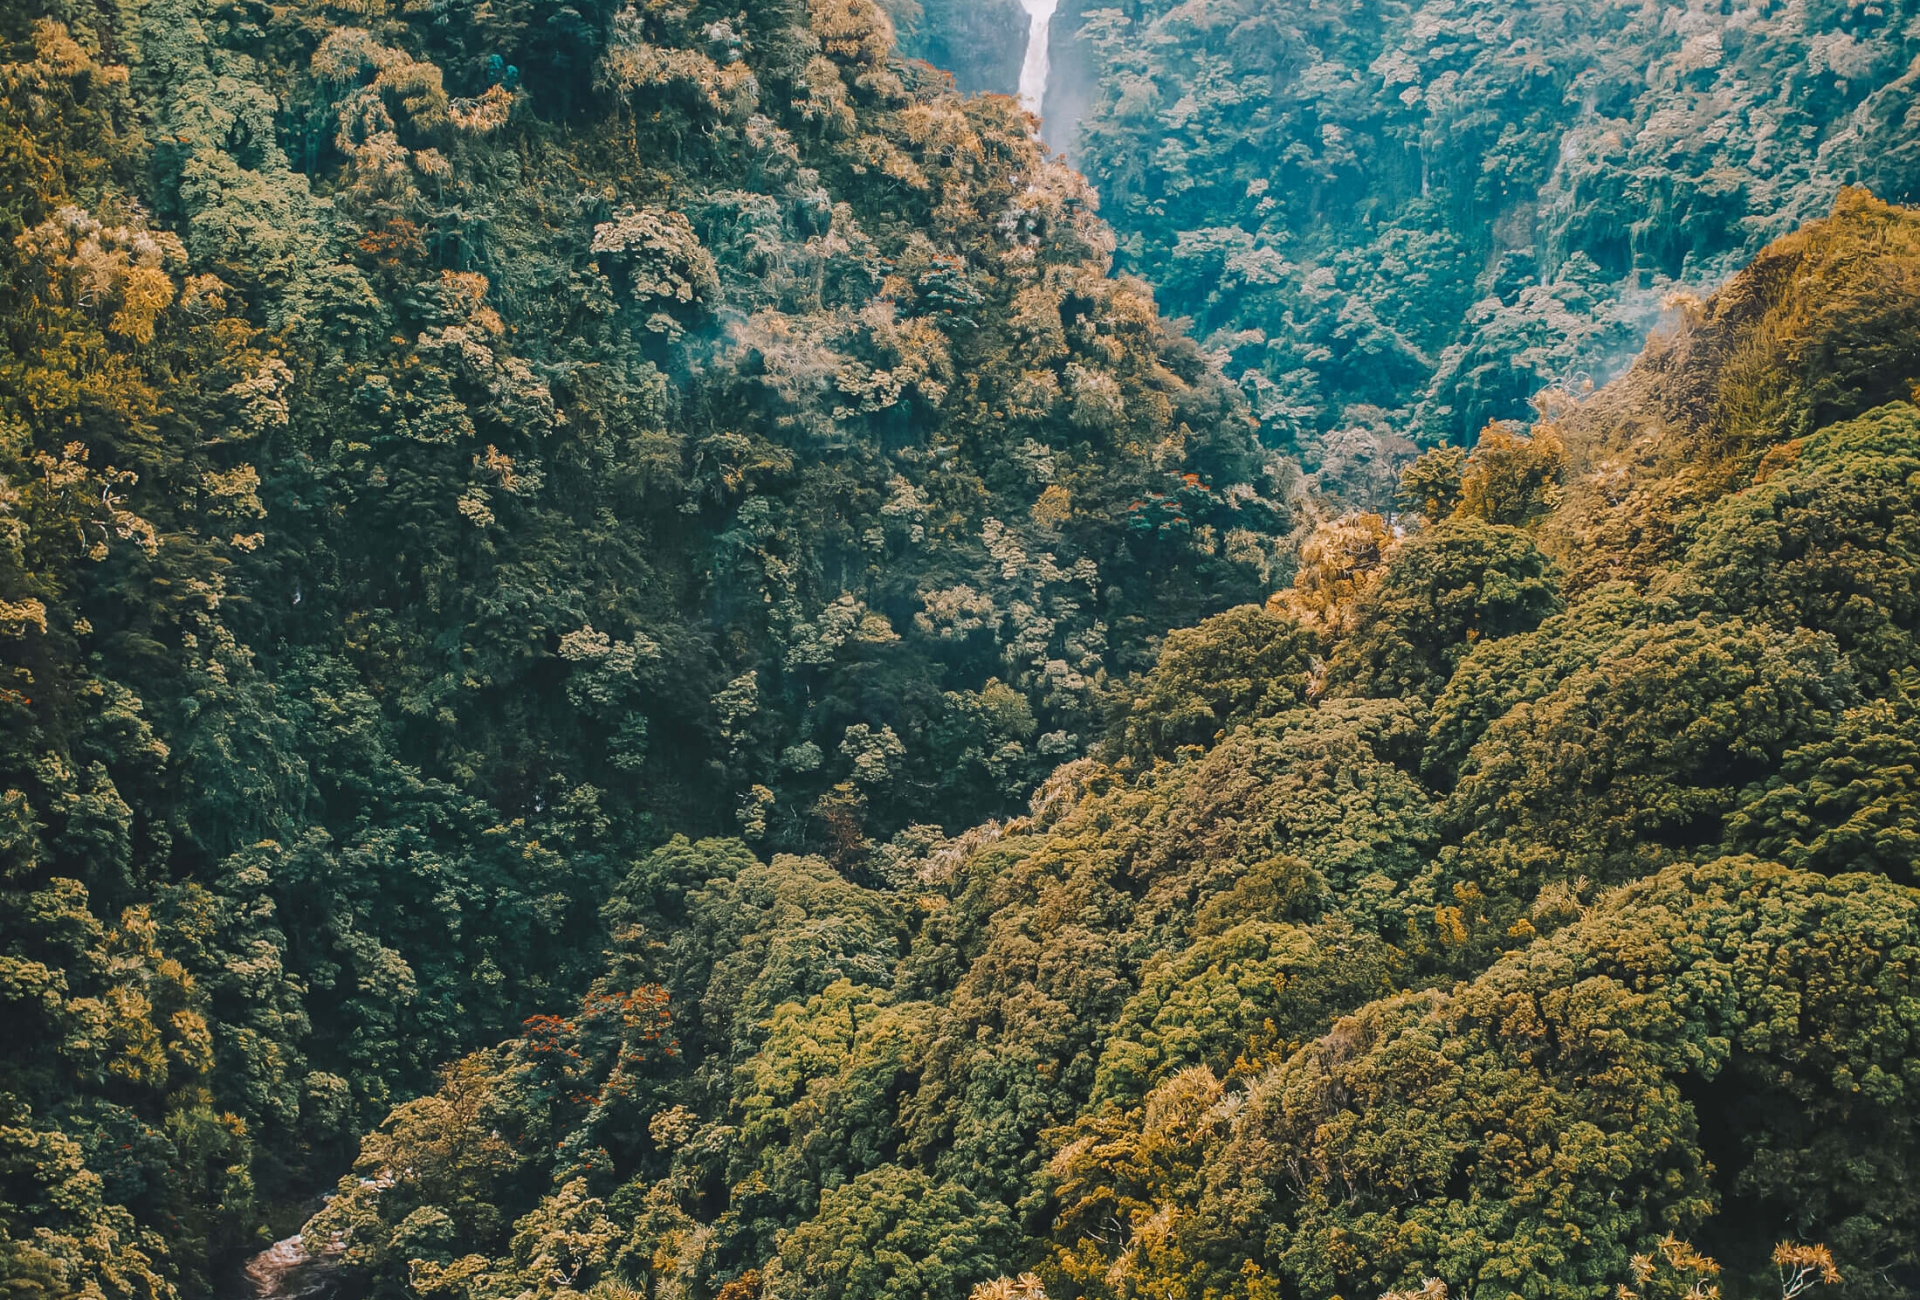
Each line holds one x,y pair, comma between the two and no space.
614,1033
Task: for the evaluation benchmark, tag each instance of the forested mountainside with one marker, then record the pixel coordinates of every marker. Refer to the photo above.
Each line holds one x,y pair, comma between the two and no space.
1399,220
623,645
1523,900
448,449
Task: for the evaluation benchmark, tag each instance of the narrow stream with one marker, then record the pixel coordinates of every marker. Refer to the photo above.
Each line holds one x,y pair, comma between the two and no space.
1034,69
284,1271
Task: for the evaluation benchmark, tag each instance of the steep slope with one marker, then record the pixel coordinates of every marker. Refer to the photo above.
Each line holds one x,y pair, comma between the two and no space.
1523,902
445,447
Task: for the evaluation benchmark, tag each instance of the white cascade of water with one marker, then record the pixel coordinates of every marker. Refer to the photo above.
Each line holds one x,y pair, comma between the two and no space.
1033,69
284,1271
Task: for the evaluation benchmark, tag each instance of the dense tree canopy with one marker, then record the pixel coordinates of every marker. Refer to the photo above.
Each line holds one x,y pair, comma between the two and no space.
444,450
1543,937
1402,943
621,644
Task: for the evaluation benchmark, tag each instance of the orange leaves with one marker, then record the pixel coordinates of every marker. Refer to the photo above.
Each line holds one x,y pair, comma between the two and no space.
465,296
1803,1268
1673,1269
613,1032
484,115
943,134
545,1035
395,243
641,1014
745,1287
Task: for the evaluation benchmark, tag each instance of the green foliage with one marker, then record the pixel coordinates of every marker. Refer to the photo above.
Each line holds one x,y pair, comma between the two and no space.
1741,383
1422,962
1240,666
1845,802
1829,540
1430,484
1522,1132
443,449
1512,480
461,466
1430,212
1493,676
816,1101
892,1234
1446,590
1638,758
451,1178
980,44
1236,999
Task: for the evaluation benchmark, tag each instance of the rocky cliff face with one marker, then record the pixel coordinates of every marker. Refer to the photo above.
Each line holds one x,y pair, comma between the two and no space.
981,42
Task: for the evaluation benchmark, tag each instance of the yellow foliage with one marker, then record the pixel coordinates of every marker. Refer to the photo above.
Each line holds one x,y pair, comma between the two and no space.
1674,1271
1338,563
465,293
191,1043
73,497
145,292
1513,478
824,102
233,493
1054,507
83,264
17,616
1025,1287
859,35
483,115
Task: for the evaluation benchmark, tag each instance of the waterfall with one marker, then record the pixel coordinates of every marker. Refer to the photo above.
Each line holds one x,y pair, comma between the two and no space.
1033,70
